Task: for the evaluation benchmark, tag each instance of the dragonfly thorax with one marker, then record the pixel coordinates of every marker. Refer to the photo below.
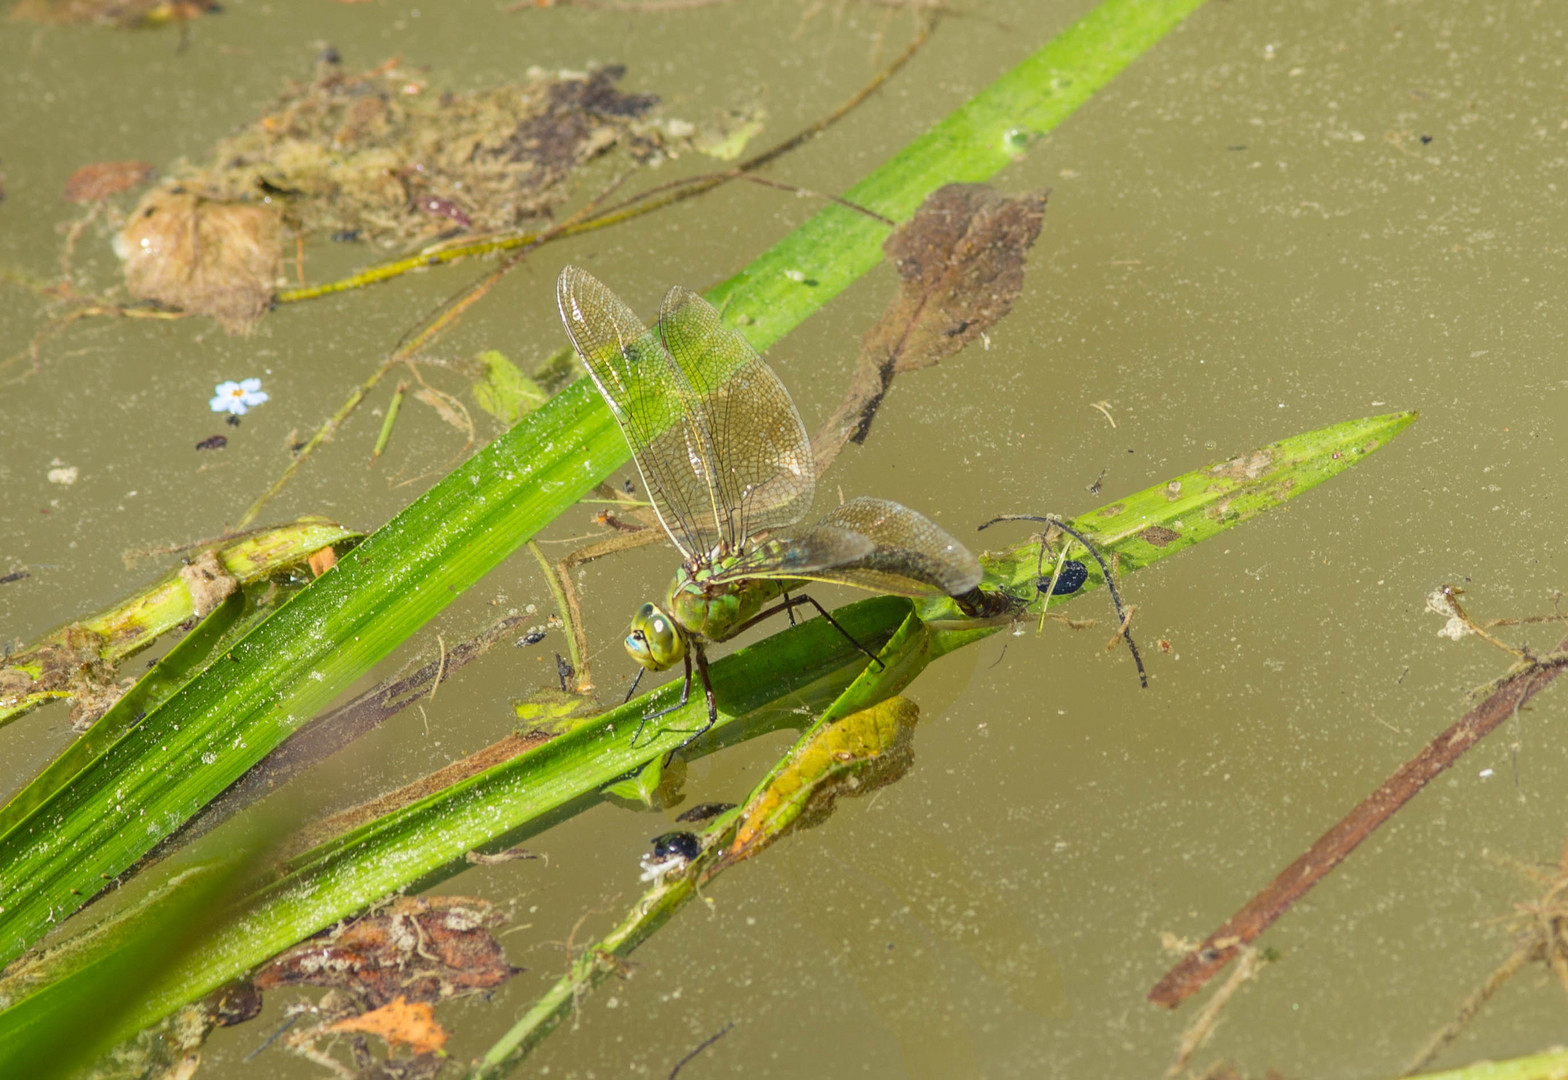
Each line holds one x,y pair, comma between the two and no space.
713,610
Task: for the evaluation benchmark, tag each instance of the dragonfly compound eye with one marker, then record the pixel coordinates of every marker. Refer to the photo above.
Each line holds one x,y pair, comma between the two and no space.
654,642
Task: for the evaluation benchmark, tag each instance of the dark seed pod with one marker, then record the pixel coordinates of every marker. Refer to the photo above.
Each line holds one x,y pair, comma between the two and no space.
684,844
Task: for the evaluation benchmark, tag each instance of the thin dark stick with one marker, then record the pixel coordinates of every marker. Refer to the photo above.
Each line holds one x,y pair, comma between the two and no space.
1110,582
709,1041
290,1022
1258,914
798,190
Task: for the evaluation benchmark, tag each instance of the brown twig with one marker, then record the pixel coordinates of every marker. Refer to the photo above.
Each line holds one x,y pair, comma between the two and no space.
1259,913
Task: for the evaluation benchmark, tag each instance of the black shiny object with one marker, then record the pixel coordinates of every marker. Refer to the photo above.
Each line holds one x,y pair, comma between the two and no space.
1074,574
532,638
684,844
704,811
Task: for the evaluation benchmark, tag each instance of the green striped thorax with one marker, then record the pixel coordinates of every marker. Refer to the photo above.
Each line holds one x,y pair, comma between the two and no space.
696,606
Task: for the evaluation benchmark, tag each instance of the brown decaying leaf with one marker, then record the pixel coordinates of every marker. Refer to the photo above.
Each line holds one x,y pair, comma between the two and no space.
104,178
426,949
960,262
411,1024
322,561
204,257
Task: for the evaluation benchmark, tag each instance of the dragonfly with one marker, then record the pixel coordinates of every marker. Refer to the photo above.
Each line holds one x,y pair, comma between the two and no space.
727,464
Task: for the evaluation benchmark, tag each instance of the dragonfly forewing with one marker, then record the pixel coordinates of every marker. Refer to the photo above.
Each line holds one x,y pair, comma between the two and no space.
649,398
763,477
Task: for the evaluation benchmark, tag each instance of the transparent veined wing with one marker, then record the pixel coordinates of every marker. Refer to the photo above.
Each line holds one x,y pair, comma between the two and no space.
876,544
650,400
763,476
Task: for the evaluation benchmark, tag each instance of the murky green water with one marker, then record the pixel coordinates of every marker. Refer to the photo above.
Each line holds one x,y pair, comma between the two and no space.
1250,235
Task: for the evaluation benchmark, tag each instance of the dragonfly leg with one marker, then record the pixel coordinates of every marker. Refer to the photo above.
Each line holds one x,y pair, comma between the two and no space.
713,707
632,689
790,604
681,704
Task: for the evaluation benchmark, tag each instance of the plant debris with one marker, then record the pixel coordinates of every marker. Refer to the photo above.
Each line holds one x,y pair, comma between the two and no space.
385,972
202,255
379,156
960,262
426,949
399,1022
125,14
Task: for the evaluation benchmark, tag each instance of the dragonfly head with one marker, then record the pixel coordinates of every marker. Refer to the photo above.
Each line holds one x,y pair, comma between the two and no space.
655,641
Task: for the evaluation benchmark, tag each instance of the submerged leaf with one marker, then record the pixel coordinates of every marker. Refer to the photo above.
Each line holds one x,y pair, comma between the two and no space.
727,139
960,265
126,14
504,391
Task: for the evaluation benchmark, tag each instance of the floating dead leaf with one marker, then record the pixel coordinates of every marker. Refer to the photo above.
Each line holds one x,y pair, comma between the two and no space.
102,179
852,756
201,255
400,1023
960,262
126,14
427,949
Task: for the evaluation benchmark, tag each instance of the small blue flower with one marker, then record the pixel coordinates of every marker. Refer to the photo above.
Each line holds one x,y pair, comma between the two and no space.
238,397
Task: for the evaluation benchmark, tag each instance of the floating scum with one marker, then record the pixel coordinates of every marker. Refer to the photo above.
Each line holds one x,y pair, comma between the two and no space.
727,463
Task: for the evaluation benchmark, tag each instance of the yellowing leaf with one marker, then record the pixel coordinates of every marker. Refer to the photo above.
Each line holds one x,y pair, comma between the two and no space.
853,756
